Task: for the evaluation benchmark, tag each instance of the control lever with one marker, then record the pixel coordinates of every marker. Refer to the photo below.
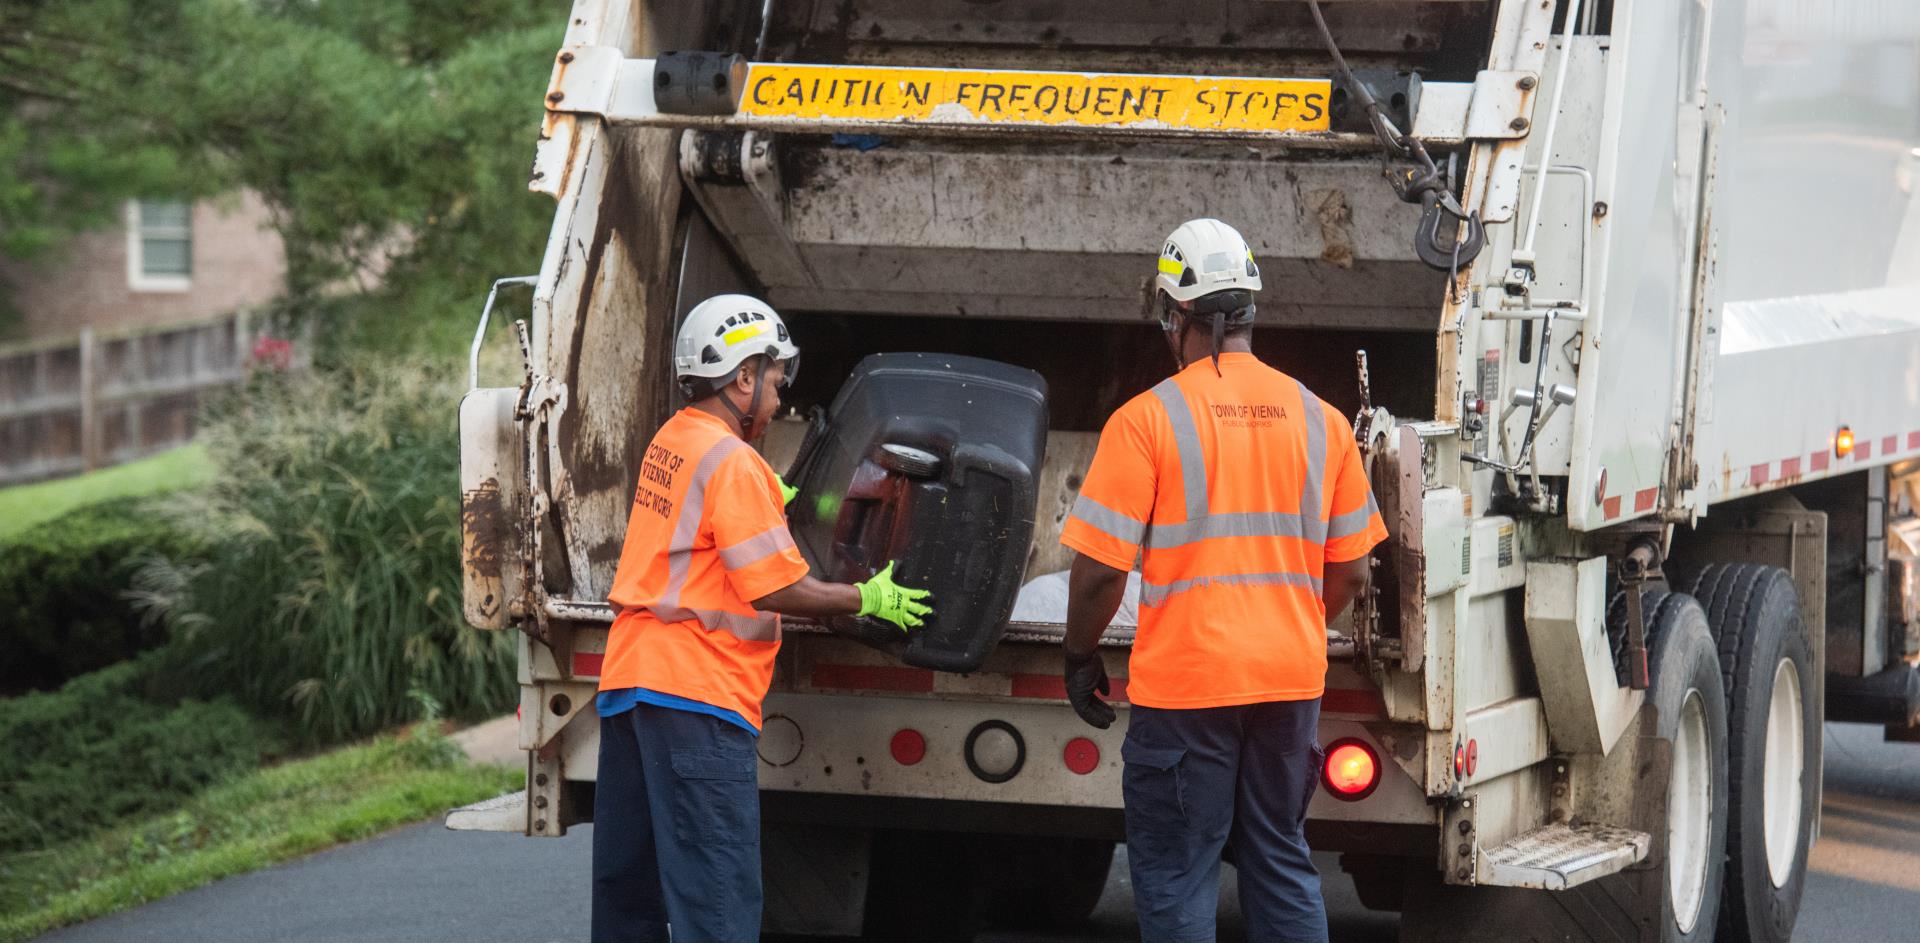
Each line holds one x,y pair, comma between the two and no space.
1556,396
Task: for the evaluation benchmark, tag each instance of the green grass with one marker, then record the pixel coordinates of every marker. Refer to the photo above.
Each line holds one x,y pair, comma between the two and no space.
23,506
260,819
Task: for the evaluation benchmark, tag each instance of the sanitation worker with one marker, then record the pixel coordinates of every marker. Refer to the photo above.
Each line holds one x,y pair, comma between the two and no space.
1243,498
706,569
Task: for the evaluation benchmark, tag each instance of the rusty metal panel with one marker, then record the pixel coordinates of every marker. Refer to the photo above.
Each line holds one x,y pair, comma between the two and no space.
921,226
492,505
607,302
606,23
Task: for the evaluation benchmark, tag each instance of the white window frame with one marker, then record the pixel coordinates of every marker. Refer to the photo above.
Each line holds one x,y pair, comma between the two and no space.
137,278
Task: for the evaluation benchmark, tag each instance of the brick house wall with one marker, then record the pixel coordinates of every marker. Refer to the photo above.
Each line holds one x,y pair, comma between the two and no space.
237,262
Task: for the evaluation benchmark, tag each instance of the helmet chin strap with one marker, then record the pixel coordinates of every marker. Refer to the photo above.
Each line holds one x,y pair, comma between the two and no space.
747,419
1219,334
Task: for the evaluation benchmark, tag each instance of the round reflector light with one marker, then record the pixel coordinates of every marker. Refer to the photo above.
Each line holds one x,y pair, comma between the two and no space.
1352,770
1082,755
1473,756
908,747
995,751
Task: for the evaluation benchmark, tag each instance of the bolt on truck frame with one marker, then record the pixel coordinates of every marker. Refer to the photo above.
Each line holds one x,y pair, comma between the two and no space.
1642,393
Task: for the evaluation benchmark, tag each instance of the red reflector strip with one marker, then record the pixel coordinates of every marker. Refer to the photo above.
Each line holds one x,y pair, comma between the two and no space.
1890,445
873,678
1054,687
1352,701
588,664
1863,449
1913,440
1643,499
1817,461
1611,507
1789,467
1758,476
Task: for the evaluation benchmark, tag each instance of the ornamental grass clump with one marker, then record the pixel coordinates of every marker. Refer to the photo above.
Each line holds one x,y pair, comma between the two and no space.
330,594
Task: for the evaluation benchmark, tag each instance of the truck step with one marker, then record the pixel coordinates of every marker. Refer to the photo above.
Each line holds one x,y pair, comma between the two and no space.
506,813
1557,857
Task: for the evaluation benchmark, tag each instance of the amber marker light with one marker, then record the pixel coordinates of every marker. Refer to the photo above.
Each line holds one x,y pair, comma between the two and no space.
1843,442
1352,771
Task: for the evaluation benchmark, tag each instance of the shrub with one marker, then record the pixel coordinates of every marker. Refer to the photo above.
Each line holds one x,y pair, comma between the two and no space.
64,609
330,594
98,751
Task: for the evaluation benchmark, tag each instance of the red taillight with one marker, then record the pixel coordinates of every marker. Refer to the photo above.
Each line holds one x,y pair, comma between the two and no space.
1082,755
908,747
1352,770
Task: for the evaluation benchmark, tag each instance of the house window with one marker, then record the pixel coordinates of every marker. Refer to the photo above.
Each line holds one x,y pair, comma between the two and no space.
160,245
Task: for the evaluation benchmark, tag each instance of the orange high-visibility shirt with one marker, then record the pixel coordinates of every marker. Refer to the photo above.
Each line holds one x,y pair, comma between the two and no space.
1233,491
706,537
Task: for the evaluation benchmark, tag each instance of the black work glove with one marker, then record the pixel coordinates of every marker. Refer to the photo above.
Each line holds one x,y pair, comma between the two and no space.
1085,675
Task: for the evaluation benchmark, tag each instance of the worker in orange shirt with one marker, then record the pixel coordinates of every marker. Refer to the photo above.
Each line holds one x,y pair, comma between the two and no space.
1243,498
706,569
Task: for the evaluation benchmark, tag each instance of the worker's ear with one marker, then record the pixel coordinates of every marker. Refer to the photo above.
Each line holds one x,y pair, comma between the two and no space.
745,377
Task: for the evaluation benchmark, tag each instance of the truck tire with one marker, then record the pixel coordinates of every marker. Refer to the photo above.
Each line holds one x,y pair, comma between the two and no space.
1675,900
1773,745
1048,883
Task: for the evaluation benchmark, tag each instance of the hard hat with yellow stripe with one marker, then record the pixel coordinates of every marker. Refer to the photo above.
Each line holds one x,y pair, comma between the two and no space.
1205,256
719,335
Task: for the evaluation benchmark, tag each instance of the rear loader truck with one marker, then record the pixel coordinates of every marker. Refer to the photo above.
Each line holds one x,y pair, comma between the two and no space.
1622,297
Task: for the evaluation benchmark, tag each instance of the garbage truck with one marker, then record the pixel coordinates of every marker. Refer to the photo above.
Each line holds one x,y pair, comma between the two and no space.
1620,294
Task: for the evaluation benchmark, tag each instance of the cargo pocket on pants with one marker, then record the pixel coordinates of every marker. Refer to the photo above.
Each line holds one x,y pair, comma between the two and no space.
1151,786
716,797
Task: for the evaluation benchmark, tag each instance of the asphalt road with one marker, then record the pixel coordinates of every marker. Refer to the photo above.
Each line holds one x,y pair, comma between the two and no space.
426,884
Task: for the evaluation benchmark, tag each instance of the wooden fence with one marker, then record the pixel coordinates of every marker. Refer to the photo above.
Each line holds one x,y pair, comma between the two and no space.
100,400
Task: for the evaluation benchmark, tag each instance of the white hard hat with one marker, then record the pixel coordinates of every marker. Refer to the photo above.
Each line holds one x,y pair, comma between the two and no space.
721,332
1205,256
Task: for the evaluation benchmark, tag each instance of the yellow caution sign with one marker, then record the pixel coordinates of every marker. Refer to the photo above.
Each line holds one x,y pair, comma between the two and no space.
965,96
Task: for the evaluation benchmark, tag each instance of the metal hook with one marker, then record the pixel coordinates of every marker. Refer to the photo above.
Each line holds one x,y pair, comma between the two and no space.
1435,243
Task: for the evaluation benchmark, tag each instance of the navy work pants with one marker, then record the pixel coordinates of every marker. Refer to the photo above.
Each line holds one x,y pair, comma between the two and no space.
1196,780
676,830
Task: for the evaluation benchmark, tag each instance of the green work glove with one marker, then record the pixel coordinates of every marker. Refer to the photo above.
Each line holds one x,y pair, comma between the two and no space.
787,491
882,598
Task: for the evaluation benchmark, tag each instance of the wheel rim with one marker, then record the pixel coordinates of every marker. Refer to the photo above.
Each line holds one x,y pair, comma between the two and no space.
1786,762
1689,812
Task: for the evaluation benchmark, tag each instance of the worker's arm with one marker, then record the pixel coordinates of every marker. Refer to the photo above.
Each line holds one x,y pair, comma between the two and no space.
879,597
1094,591
1105,531
812,598
763,564
1342,584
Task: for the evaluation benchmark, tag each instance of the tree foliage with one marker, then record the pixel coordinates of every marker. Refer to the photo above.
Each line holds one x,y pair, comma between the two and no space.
389,138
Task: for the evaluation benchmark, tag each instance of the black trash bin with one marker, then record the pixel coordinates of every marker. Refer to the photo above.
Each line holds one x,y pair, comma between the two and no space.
931,461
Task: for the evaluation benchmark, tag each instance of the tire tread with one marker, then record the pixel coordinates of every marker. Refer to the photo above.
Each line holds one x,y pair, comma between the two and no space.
1739,599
